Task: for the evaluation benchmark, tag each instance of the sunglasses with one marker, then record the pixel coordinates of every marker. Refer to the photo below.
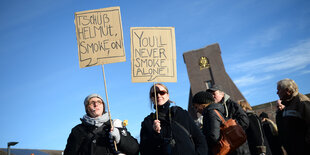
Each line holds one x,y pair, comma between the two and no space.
159,92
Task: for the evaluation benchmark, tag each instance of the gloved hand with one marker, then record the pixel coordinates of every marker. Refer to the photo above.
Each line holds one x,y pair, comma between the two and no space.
114,135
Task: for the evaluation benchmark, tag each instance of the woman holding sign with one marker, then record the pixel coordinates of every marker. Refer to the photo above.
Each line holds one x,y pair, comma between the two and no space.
95,136
170,132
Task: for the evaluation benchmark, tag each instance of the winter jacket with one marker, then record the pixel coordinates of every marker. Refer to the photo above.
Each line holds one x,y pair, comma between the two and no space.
178,135
255,135
294,125
271,133
211,124
233,110
86,139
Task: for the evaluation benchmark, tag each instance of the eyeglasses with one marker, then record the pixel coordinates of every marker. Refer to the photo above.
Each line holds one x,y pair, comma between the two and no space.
159,92
94,102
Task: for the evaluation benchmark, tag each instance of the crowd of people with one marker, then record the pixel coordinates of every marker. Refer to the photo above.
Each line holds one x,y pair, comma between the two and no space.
172,131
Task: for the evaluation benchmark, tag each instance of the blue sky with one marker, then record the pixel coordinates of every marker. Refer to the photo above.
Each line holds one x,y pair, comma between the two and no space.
43,88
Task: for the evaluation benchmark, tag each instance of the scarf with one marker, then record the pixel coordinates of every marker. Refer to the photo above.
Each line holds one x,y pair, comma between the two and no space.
98,121
163,110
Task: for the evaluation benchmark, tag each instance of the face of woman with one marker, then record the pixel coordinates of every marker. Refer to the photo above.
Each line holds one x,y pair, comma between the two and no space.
162,95
95,107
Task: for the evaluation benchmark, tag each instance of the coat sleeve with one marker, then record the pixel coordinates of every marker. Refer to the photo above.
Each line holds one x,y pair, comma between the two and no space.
74,142
149,140
239,115
201,145
306,117
211,127
128,144
279,120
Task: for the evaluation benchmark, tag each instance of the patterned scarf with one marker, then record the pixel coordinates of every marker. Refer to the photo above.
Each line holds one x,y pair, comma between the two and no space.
98,121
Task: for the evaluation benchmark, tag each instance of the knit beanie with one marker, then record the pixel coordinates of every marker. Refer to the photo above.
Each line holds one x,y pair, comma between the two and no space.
91,96
263,115
203,97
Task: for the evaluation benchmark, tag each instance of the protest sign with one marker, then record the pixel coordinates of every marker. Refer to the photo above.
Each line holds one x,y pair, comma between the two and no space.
153,54
99,36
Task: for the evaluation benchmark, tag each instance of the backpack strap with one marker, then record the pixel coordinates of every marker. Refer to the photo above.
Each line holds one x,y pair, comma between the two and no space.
218,114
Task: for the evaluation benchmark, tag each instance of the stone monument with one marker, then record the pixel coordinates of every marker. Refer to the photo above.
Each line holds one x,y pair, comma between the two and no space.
205,68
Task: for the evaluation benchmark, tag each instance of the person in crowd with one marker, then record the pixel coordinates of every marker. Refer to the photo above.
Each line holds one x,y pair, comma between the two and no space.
231,110
257,140
271,133
174,132
95,136
294,119
204,104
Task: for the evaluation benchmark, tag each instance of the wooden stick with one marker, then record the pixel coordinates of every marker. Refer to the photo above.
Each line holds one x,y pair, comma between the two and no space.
155,98
106,94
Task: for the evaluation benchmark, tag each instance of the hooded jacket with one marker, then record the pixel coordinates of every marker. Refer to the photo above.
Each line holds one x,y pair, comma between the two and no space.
172,139
233,110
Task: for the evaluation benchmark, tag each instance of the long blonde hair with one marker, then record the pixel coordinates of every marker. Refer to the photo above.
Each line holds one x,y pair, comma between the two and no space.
244,105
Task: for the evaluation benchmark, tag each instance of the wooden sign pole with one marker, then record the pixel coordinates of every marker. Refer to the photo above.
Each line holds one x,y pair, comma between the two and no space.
106,94
155,98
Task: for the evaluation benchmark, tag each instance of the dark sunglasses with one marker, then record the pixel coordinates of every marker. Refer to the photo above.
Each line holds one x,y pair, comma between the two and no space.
159,92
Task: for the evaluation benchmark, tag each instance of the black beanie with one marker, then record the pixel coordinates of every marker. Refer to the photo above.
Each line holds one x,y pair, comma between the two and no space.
263,115
203,97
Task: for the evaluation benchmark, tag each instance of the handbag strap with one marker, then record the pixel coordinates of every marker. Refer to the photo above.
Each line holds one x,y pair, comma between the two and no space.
218,114
180,125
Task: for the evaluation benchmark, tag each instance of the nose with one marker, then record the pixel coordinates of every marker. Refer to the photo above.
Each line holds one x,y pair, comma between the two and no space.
96,104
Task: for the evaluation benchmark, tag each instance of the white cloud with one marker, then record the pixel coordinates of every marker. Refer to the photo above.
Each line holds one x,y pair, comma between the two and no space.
305,72
295,58
250,91
284,62
251,79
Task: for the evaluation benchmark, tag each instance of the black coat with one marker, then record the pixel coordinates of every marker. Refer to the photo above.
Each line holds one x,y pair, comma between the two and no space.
212,123
271,133
85,139
211,127
294,125
233,110
153,143
255,135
